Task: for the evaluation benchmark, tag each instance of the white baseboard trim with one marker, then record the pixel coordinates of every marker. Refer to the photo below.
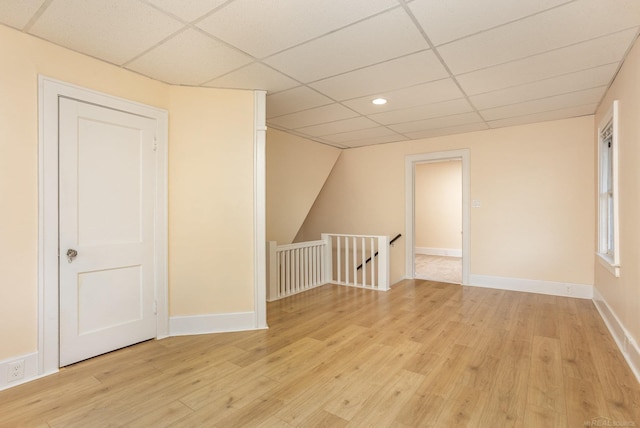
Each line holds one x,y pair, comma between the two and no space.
580,291
30,373
212,323
451,252
627,345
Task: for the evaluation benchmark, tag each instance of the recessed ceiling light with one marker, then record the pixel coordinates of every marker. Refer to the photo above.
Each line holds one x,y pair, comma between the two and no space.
379,101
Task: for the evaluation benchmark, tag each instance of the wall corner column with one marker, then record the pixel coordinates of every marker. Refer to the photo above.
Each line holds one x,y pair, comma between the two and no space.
259,194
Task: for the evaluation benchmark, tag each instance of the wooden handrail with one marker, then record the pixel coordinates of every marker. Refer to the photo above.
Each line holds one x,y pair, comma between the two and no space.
390,243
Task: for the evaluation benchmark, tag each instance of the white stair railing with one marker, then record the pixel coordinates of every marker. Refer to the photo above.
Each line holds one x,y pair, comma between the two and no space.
351,260
294,268
357,260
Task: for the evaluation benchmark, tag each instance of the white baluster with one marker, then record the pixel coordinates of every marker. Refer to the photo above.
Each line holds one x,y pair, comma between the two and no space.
383,263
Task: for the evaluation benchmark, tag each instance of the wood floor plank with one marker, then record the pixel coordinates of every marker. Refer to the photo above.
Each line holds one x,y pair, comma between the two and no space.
420,355
463,407
536,417
122,406
381,408
225,404
506,401
584,402
546,387
273,422
506,310
341,369
308,394
443,378
160,416
253,414
420,410
546,325
324,419
348,402
523,323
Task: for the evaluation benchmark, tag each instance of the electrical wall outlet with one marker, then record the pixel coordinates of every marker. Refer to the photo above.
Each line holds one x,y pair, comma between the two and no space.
16,371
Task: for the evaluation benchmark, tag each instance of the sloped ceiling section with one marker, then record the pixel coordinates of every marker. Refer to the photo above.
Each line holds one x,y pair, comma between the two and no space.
444,66
296,172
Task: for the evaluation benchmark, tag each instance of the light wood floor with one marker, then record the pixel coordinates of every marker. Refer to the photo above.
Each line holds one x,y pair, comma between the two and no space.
422,354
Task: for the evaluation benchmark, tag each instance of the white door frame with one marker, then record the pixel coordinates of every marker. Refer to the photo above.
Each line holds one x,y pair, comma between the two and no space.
410,173
49,90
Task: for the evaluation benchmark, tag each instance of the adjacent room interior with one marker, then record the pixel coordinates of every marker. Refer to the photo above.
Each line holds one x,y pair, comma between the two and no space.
438,221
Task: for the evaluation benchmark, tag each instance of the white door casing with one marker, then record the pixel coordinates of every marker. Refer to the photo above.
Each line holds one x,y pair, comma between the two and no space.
50,93
106,216
410,165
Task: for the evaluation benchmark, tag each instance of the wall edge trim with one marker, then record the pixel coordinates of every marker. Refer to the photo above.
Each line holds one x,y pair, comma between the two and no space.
212,323
626,344
31,362
564,289
446,252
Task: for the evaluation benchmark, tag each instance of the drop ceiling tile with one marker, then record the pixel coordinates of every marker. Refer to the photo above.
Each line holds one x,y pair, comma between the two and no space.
207,58
339,126
445,108
440,122
583,110
17,14
254,76
314,116
292,100
362,134
328,143
307,137
438,132
444,21
600,51
430,92
388,76
280,24
571,23
113,31
187,10
585,79
377,39
587,96
375,140
424,100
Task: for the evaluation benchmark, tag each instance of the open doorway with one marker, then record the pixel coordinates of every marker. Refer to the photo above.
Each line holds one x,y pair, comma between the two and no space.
440,178
438,221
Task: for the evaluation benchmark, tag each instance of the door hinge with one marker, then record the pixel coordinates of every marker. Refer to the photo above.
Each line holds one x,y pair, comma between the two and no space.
155,144
155,307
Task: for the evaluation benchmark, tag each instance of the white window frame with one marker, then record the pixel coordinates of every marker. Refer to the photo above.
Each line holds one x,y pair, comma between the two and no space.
608,214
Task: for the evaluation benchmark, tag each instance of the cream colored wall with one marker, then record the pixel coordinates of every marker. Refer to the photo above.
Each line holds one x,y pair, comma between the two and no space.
623,294
534,182
438,205
296,171
229,169
210,201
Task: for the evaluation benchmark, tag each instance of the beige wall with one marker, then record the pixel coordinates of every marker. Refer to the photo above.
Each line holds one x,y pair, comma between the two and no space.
623,294
210,201
23,58
438,205
534,182
296,171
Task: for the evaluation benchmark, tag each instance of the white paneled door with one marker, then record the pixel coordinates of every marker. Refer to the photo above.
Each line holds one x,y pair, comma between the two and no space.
107,190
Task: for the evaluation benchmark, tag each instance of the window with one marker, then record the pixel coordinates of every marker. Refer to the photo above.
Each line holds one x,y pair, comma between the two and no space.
608,237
